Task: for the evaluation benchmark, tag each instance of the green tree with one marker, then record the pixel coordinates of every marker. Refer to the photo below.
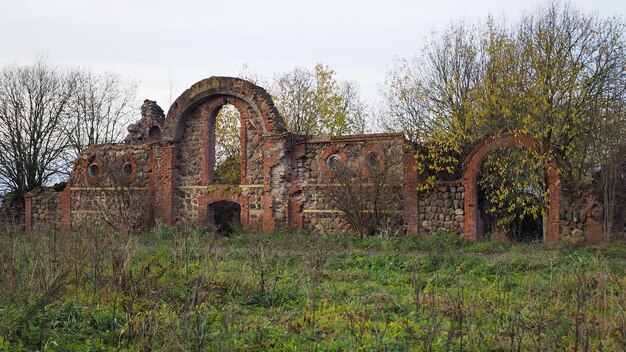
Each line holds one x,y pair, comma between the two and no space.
556,74
227,146
316,103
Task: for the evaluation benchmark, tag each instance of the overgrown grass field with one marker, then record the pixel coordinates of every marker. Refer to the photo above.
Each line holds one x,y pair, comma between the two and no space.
177,289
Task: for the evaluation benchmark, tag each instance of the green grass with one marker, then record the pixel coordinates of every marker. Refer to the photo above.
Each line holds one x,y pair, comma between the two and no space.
173,289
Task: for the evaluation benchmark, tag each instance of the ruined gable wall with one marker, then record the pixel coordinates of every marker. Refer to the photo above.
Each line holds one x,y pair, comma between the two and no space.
123,169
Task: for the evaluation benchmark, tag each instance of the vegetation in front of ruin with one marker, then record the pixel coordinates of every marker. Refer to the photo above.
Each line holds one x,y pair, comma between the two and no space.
183,289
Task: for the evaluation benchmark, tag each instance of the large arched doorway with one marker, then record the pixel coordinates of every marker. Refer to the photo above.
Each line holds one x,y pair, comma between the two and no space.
485,146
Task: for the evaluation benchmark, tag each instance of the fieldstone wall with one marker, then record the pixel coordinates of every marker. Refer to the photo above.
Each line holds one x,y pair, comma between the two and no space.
312,175
46,208
441,208
196,161
169,174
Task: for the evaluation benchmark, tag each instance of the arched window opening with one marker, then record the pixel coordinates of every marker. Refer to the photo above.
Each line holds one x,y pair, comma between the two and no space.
227,167
154,133
512,199
226,216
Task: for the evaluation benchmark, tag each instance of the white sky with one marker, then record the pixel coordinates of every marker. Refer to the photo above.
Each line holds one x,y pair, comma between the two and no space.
155,42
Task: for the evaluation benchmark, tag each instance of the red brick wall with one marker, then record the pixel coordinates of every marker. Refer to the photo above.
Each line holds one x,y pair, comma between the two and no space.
66,209
411,206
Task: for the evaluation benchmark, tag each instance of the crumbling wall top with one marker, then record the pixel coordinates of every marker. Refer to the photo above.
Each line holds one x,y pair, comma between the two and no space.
149,127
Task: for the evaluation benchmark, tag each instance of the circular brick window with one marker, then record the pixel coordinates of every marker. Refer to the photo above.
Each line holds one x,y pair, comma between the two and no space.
333,162
372,160
93,170
127,169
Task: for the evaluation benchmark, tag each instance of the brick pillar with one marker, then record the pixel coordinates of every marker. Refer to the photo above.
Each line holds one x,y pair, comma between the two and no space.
244,215
66,209
554,202
411,207
470,209
28,207
296,215
593,230
162,182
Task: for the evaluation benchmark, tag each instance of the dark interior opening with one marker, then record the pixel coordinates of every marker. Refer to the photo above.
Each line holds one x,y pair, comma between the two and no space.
226,216
523,229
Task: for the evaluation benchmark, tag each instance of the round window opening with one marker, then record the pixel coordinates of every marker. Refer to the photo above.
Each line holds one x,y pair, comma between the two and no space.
372,160
93,170
333,162
127,169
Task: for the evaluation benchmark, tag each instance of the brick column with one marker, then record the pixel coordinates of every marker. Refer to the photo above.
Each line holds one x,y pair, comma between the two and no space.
554,202
274,192
162,182
296,215
411,207
66,209
28,208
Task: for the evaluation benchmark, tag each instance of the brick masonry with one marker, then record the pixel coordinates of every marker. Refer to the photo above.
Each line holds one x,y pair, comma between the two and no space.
169,161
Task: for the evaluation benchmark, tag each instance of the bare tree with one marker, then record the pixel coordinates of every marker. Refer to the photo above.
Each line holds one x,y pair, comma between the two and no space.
47,115
371,201
101,108
431,92
33,125
123,203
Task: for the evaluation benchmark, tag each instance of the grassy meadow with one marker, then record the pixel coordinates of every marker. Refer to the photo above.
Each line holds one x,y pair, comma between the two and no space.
188,290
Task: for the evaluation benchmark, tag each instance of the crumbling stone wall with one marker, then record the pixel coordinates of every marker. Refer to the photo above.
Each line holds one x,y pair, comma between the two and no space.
580,210
149,127
46,209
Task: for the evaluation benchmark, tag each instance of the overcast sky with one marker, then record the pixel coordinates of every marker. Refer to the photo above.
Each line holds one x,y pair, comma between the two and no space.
157,42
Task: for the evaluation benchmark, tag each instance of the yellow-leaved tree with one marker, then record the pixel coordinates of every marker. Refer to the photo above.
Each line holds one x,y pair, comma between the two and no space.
558,74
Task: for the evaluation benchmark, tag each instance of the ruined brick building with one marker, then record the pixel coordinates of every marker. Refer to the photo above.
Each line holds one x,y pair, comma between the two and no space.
170,160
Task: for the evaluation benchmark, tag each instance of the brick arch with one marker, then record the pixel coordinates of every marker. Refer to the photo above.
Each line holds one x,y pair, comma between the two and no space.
218,196
213,88
473,162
